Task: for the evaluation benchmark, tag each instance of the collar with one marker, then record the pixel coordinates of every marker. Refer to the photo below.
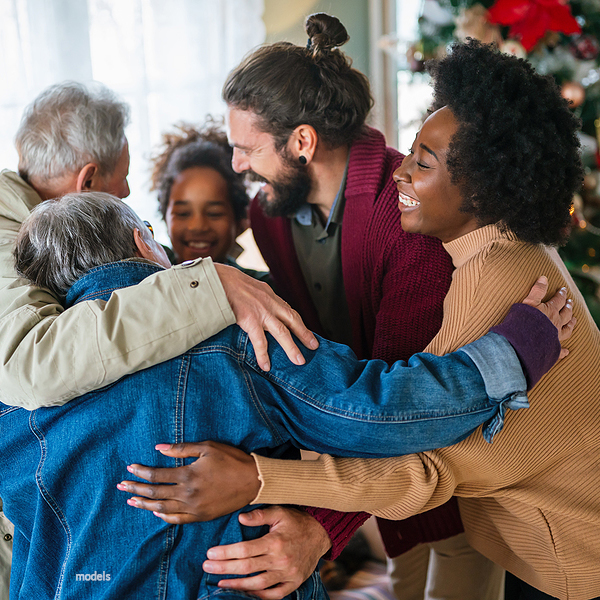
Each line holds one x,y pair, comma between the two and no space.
17,198
465,247
304,216
99,283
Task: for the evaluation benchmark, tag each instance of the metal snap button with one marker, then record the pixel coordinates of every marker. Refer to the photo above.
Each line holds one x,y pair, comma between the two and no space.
7,537
194,284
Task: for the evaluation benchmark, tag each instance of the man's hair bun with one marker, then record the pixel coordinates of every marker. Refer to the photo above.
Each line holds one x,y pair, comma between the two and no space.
325,32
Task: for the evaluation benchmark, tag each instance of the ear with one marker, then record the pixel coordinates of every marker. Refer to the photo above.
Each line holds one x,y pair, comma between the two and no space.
144,250
303,142
88,178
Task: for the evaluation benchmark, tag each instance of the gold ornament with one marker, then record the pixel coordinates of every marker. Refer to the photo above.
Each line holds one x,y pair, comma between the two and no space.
472,22
573,92
590,181
513,48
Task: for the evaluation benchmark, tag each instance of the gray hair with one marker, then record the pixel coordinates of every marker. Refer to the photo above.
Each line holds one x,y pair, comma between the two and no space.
62,239
69,125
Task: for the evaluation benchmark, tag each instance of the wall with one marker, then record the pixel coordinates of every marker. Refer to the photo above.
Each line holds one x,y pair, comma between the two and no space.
284,20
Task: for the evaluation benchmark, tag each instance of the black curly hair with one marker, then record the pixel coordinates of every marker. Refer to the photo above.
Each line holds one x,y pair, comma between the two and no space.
189,147
515,155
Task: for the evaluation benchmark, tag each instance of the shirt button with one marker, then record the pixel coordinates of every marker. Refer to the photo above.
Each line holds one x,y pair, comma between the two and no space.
318,286
7,537
194,284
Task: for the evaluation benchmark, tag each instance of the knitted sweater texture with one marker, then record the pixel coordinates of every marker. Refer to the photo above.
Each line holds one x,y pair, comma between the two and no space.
530,500
395,284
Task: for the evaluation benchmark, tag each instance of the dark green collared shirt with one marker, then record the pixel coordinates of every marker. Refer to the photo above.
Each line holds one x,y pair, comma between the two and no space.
318,247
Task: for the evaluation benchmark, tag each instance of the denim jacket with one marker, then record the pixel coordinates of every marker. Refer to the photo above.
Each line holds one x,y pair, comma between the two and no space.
75,536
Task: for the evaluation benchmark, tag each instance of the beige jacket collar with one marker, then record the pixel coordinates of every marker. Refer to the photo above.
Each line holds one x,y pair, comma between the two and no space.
17,198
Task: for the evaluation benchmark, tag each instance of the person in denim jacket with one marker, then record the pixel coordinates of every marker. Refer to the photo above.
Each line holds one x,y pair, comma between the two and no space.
75,536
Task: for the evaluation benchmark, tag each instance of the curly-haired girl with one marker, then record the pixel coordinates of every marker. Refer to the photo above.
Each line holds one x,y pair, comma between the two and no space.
202,200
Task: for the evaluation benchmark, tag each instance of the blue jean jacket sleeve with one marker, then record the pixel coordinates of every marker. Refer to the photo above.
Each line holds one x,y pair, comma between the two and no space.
338,405
503,377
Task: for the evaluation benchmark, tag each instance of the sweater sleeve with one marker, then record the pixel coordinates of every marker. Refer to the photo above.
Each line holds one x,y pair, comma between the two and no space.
392,488
49,355
340,526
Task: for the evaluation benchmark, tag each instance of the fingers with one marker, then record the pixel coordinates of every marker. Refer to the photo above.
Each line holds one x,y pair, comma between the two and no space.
233,552
243,566
183,450
284,338
277,592
159,506
258,339
537,292
162,492
260,516
176,518
289,320
283,558
257,585
558,301
566,313
258,309
155,474
564,334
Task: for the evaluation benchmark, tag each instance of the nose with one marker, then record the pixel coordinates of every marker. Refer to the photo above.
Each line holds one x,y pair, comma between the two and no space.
239,161
402,173
198,222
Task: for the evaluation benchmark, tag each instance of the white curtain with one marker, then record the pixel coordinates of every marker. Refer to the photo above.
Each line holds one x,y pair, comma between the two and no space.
167,58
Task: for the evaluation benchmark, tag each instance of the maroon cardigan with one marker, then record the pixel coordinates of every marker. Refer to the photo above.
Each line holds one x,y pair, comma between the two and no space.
395,284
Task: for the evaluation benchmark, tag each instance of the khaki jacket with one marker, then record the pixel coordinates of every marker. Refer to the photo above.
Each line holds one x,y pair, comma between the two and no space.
49,356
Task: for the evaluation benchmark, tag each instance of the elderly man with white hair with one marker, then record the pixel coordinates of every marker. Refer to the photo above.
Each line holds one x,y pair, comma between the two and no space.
72,139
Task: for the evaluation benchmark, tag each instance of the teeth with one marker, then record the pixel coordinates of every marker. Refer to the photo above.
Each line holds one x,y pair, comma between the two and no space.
407,201
199,245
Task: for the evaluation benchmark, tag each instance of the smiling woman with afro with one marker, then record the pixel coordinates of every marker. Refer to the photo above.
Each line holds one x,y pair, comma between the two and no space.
516,154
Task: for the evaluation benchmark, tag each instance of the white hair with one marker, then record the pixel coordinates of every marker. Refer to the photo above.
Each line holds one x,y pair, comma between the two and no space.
62,239
69,125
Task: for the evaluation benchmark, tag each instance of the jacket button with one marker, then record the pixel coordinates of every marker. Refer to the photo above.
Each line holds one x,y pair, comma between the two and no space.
194,284
7,537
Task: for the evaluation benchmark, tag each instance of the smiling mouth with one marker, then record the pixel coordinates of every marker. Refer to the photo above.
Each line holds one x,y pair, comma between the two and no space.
201,246
407,200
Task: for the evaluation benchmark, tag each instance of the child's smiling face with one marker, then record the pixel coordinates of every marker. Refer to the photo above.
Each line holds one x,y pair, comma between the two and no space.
199,216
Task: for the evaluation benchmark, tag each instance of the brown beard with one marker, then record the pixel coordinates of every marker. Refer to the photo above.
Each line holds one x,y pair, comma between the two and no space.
290,189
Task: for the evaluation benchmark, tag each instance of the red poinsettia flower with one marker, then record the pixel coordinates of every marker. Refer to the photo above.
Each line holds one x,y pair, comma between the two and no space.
529,20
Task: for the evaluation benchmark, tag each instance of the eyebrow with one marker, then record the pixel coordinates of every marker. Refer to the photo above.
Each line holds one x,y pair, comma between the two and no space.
238,146
210,203
430,151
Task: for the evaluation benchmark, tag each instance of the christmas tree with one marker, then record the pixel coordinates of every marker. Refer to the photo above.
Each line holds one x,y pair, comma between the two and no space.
561,39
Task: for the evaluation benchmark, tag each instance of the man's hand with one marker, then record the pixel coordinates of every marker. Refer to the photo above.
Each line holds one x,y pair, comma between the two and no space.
558,309
222,480
284,558
258,309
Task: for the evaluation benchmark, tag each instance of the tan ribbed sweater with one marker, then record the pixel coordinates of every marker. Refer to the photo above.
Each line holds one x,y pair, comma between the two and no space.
531,500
